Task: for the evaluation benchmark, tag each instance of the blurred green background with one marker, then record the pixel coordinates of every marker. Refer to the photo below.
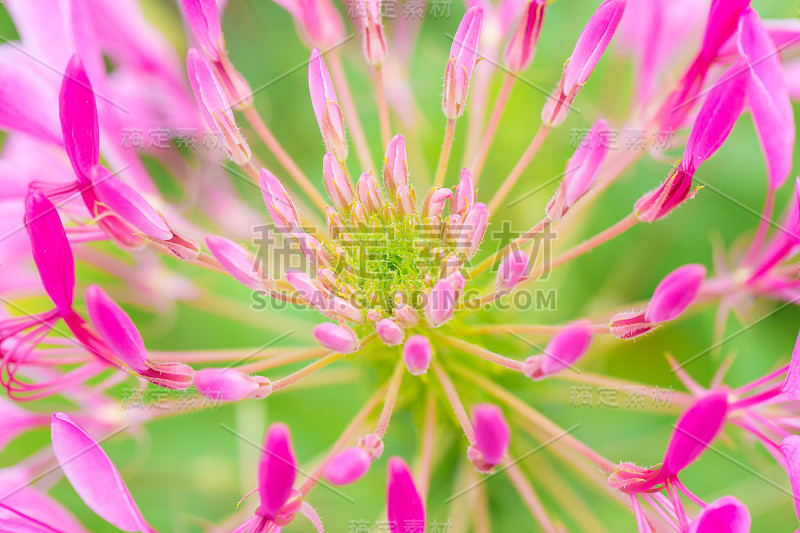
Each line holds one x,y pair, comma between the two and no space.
187,472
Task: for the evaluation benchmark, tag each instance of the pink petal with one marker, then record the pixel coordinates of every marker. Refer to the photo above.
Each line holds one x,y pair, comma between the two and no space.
464,196
404,507
790,448
390,332
51,251
675,293
723,18
592,43
276,471
395,164
348,466
93,476
79,124
225,384
791,385
203,17
695,430
279,203
522,44
584,166
340,339
512,269
129,205
725,515
461,63
27,102
566,347
492,433
717,117
237,261
441,303
768,96
417,354
116,328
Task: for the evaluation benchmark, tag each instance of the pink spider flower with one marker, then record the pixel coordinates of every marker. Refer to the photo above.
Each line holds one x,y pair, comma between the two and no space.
318,21
592,43
564,349
461,64
694,432
712,126
404,507
279,501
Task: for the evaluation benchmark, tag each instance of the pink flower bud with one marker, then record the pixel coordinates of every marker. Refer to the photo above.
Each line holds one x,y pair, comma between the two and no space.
404,507
215,107
312,249
473,228
695,430
675,293
395,165
630,325
435,202
337,338
519,51
279,203
512,269
79,124
768,96
464,196
406,200
584,165
724,515
441,303
339,188
128,204
390,332
51,250
277,471
203,18
228,384
563,350
790,448
239,263
318,21
368,194
492,436
592,43
406,315
348,466
326,106
417,354
460,66
368,21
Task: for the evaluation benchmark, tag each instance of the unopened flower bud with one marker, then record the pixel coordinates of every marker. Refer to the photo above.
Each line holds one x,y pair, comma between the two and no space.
395,165
630,325
675,293
563,350
239,263
461,64
519,52
340,191
326,106
390,332
417,354
492,437
512,269
337,338
228,384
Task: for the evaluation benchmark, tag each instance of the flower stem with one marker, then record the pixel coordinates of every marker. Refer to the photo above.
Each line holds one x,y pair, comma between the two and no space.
491,127
391,398
541,421
383,109
426,455
483,353
343,91
763,226
519,168
515,244
283,158
444,155
319,364
347,435
531,329
617,229
455,402
528,494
